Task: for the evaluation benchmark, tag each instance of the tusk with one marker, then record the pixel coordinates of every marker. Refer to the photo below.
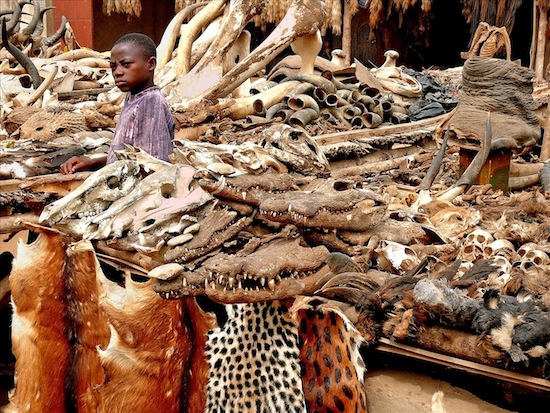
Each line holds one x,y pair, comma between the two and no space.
171,33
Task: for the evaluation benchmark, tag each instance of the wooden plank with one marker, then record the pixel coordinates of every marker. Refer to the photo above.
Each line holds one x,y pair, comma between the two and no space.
388,346
52,183
365,134
83,92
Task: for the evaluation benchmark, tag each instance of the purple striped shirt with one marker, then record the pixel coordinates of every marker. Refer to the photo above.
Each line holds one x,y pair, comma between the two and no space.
145,122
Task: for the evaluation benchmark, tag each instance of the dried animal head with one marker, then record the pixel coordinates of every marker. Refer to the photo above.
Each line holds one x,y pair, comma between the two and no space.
455,221
52,123
245,158
74,212
394,257
334,205
279,268
294,148
162,203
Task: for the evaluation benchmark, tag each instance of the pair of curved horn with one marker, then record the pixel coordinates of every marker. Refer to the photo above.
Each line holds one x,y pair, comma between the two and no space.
24,60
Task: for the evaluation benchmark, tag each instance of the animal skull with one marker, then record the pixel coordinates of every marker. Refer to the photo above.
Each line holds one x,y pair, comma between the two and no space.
393,256
500,247
535,258
528,246
475,243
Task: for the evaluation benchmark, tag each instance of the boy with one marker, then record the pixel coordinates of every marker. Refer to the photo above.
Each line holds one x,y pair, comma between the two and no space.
145,121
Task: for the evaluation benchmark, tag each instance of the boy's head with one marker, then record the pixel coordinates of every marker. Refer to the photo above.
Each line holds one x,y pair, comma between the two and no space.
142,42
133,62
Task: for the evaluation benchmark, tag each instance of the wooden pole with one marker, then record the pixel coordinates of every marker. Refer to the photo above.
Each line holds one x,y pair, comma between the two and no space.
533,51
545,150
346,33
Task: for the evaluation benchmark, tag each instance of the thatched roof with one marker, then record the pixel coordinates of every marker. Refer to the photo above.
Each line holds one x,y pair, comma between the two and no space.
275,11
495,12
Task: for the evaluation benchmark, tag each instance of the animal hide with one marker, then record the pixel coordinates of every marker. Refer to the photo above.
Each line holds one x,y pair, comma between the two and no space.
39,325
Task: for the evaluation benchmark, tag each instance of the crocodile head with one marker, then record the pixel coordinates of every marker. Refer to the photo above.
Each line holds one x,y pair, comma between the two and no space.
272,268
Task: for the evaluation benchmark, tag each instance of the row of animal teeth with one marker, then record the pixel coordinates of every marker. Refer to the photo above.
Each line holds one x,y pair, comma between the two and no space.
213,285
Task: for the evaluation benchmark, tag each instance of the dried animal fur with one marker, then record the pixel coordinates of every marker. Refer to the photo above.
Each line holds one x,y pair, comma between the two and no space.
53,122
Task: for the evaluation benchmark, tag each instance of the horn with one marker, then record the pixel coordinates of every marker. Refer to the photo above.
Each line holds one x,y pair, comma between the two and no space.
24,60
50,41
40,26
34,21
16,15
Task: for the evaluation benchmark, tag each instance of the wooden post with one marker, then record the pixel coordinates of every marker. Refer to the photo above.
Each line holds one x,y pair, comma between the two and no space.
538,44
346,33
545,150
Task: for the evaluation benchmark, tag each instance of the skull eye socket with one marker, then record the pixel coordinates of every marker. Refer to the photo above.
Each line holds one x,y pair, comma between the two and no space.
113,182
166,190
139,278
59,131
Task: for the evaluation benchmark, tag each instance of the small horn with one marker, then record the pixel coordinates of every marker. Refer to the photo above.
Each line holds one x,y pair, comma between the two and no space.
40,26
16,15
50,41
34,21
24,60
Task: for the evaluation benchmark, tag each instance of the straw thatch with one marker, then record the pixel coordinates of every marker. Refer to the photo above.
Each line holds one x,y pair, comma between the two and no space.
276,9
130,7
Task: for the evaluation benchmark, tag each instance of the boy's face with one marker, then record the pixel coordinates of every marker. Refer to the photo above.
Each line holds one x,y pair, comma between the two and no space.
132,71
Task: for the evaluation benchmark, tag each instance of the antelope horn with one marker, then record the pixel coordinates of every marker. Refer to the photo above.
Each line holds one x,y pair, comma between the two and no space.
302,17
40,25
50,41
473,170
14,19
429,178
239,14
190,32
24,60
34,21
171,33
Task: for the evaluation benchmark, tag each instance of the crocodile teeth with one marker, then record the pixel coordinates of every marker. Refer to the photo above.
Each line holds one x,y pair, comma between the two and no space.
271,285
262,280
184,282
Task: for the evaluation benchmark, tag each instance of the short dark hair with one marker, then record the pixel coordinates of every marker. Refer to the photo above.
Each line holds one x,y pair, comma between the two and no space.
143,42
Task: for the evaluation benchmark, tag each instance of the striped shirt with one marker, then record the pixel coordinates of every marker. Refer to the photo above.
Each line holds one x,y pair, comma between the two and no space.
146,123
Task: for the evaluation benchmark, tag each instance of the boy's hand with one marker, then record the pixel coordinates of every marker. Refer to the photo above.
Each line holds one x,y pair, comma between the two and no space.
75,164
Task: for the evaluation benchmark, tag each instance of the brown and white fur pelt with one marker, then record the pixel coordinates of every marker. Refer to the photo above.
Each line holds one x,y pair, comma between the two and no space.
39,326
84,343
148,349
88,327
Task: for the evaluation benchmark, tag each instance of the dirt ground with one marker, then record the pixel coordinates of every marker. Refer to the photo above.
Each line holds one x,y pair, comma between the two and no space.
396,391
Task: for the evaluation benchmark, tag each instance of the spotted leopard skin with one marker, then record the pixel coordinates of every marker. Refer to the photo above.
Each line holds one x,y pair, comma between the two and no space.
255,361
333,369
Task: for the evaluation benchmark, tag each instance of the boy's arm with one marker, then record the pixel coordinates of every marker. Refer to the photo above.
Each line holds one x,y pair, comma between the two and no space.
83,163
